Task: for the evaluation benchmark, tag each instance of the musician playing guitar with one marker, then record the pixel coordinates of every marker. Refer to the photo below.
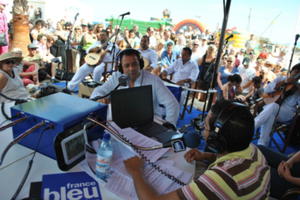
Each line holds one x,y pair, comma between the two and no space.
98,60
285,92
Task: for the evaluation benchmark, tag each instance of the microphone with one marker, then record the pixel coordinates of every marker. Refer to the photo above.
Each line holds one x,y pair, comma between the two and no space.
230,36
297,37
77,14
123,81
127,13
179,142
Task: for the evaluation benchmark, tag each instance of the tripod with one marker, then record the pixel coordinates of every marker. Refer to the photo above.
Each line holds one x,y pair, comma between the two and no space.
68,50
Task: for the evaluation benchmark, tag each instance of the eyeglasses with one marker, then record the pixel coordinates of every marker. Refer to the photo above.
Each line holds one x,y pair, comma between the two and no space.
229,61
10,62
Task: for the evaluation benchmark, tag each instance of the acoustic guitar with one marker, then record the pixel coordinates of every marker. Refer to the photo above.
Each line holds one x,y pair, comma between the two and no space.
279,93
93,58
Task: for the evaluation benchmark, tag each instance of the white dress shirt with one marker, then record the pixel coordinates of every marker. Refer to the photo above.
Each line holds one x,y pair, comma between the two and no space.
161,94
181,71
150,55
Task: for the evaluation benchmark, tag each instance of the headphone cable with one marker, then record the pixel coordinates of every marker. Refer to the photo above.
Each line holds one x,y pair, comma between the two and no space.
18,101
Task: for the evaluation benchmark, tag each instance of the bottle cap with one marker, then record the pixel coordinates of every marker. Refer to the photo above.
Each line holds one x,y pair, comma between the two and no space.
106,136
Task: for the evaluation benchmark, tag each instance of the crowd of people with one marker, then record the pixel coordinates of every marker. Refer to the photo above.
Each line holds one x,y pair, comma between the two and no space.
185,58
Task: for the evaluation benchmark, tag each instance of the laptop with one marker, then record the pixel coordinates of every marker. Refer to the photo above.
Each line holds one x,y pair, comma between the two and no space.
133,107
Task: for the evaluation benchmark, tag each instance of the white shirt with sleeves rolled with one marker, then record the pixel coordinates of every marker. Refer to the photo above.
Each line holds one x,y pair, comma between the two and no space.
181,71
161,94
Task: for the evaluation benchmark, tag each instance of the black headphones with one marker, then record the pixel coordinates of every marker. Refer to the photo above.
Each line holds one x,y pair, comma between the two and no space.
216,142
129,52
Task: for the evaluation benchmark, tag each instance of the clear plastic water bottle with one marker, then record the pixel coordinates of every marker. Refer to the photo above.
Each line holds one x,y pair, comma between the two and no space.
104,155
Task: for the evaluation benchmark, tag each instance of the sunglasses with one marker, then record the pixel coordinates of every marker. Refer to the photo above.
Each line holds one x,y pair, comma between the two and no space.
10,62
229,61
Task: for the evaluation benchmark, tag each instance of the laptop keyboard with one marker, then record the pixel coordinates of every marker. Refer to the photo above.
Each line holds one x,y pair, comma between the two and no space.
151,129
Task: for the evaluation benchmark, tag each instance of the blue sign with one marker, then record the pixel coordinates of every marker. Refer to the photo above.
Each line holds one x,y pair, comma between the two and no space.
66,186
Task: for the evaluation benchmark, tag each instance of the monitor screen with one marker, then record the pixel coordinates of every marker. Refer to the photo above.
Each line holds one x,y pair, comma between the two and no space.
132,107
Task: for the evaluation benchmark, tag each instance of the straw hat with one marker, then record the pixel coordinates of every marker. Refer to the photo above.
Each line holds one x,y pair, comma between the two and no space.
3,2
9,55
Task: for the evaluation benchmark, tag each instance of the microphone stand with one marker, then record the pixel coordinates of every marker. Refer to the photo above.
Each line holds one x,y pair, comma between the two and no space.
102,97
225,46
220,49
215,66
68,49
113,51
290,64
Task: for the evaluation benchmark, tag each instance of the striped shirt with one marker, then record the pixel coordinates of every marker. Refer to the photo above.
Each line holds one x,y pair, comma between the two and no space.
238,175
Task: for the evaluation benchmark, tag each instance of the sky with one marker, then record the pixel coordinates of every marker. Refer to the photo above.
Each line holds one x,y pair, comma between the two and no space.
278,20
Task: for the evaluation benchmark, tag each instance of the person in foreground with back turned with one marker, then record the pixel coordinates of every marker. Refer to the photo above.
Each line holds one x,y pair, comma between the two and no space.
131,64
238,171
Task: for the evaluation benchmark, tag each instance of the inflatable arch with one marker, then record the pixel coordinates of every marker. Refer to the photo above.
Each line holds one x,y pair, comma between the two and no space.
187,22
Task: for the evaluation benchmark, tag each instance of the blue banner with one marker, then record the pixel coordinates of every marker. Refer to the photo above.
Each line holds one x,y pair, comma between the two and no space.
65,186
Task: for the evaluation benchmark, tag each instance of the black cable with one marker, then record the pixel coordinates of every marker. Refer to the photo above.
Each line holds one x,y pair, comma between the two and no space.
102,97
17,139
13,99
4,113
2,128
139,151
1,124
21,185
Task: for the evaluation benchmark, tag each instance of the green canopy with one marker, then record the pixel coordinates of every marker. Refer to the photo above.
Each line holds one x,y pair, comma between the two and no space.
143,25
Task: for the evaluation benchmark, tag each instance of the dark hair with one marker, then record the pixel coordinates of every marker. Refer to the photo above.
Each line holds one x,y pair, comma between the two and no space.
129,52
256,80
39,21
296,67
147,37
235,78
238,130
188,50
105,31
90,27
148,29
40,36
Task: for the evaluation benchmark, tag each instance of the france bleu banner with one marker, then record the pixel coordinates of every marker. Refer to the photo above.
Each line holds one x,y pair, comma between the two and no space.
66,186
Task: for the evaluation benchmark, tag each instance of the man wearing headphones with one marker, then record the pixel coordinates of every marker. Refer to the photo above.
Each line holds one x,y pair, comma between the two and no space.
131,64
238,171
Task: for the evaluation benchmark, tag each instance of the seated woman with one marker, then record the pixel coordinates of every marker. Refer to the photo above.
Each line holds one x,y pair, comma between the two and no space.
285,172
11,84
232,89
28,71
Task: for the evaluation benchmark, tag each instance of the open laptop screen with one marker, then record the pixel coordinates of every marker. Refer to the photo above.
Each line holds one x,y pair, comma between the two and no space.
132,107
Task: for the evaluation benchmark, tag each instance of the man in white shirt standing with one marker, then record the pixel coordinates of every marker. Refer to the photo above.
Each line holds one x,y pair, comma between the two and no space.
247,74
